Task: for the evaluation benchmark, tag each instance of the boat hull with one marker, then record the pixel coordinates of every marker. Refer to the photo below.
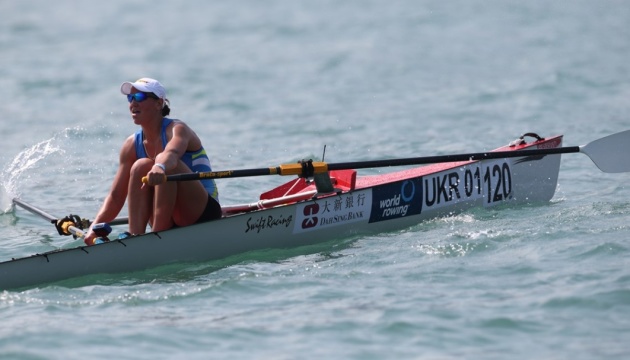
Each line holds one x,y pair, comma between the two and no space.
376,204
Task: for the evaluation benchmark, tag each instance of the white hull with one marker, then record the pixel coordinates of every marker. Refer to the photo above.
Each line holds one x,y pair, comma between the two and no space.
377,204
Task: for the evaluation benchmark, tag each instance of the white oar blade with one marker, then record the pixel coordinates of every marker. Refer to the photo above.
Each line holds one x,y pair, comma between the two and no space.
610,154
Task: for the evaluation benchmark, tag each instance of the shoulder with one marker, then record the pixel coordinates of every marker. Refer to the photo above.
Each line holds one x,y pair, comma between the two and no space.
128,149
177,122
130,141
177,126
181,131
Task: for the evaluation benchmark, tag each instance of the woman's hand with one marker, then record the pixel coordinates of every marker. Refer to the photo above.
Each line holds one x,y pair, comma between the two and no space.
89,238
155,176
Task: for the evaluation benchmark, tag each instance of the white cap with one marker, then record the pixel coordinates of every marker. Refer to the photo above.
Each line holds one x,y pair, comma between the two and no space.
145,85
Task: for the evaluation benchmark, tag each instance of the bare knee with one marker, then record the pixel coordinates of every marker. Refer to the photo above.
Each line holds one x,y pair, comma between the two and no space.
140,168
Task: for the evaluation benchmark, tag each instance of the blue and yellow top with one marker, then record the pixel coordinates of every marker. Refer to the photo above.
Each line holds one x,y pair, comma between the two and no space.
197,161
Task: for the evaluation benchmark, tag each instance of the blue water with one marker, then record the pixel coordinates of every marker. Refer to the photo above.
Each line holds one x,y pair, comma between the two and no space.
266,83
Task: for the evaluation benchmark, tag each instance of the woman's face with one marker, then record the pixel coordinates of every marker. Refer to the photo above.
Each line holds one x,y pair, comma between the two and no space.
145,110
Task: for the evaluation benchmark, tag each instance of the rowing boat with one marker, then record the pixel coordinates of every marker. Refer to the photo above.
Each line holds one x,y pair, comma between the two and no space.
326,202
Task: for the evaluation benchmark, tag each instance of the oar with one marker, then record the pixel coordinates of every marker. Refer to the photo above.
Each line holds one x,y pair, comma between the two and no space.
70,225
610,154
64,226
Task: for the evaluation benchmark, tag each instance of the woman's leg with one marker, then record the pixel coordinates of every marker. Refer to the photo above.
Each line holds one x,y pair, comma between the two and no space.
163,205
139,197
180,203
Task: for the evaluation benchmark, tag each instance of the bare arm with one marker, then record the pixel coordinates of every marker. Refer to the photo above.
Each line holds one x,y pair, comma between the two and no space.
182,139
115,200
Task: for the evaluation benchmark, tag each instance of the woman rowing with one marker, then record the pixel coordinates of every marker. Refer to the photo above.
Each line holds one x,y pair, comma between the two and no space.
161,146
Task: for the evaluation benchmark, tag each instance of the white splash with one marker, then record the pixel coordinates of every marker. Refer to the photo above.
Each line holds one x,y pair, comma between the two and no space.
24,161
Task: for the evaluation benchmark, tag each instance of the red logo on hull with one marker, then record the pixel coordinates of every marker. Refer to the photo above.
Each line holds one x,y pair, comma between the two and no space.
310,213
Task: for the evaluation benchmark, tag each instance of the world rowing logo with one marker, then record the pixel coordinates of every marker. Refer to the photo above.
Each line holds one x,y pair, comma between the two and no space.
397,200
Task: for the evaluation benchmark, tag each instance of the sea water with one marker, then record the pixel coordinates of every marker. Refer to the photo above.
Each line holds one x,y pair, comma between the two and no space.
270,82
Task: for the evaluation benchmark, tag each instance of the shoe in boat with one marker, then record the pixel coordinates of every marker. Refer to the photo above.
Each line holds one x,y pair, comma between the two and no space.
124,235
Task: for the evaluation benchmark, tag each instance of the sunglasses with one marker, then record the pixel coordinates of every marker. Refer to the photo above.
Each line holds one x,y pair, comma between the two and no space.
141,96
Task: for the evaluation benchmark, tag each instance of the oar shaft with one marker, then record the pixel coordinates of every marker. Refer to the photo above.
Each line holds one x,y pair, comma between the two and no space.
222,174
76,231
65,227
34,210
321,167
119,221
608,153
451,158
